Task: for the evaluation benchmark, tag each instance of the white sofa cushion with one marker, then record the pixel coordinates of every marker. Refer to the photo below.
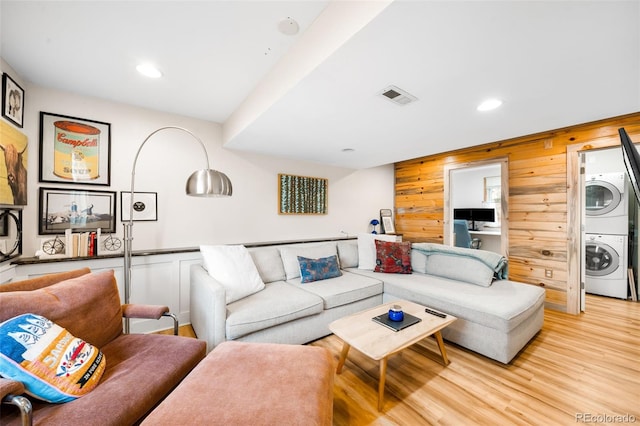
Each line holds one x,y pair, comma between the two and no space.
348,251
459,268
278,303
290,255
233,267
343,290
367,249
268,263
418,261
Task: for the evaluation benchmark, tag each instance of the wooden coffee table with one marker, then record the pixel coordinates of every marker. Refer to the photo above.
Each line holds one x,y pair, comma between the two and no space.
379,342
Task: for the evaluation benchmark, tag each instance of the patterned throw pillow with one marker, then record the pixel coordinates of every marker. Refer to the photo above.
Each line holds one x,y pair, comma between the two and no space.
318,269
52,364
393,258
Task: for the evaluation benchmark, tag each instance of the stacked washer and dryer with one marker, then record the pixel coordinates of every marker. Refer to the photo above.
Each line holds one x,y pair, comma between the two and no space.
607,230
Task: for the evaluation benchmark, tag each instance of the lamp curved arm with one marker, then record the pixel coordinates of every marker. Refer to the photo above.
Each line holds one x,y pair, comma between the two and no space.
135,159
205,182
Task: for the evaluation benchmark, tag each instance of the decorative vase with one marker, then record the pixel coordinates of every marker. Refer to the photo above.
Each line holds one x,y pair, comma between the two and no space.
395,313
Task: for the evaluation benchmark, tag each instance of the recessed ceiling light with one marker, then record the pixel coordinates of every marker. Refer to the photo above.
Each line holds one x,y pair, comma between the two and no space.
149,70
489,104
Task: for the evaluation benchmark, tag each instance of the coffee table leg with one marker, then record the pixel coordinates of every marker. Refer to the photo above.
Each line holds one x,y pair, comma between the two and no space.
343,356
383,376
443,351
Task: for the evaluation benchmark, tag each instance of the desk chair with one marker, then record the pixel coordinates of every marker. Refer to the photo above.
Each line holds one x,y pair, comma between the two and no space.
462,235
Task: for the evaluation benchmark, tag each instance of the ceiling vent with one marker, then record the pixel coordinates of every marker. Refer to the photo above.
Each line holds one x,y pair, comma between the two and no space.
398,96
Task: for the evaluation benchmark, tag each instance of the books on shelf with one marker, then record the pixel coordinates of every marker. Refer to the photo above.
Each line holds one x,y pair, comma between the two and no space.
81,244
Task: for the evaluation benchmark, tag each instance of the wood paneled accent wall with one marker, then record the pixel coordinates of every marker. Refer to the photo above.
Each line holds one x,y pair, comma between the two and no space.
543,200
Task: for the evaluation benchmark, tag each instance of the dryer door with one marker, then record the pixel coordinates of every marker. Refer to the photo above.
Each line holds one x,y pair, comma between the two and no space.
601,197
601,259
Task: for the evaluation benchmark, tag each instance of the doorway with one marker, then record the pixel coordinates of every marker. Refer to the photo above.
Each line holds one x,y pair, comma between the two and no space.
482,185
608,225
578,167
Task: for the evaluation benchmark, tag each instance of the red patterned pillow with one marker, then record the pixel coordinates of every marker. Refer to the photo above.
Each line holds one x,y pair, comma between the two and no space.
392,257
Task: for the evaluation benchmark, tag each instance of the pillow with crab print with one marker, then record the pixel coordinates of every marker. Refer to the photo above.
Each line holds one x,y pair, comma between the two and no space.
53,365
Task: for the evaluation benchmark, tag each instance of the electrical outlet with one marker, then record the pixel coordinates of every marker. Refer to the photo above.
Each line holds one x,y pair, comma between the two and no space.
548,273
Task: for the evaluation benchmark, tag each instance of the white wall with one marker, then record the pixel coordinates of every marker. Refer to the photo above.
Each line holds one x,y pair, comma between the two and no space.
250,215
468,185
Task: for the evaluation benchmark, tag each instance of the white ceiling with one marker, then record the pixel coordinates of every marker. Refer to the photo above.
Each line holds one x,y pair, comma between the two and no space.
309,96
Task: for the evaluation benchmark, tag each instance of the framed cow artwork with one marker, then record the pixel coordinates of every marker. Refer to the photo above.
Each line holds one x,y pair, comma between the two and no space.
13,166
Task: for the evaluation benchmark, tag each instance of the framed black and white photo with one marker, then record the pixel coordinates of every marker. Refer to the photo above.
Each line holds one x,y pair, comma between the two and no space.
12,100
145,206
79,210
74,150
386,218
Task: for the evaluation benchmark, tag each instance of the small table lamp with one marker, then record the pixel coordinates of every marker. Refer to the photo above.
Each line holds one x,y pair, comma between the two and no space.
374,223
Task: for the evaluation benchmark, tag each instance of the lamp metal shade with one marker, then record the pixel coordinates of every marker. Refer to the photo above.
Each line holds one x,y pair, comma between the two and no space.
209,183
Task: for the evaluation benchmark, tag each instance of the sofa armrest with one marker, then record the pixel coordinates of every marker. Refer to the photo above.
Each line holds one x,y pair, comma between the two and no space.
208,307
11,393
144,311
150,312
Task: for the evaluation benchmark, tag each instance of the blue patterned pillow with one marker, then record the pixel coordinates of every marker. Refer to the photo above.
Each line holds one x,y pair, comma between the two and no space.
318,269
52,364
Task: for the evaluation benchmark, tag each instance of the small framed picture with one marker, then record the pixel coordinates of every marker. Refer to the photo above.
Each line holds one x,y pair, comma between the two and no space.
74,150
79,210
145,206
386,218
12,100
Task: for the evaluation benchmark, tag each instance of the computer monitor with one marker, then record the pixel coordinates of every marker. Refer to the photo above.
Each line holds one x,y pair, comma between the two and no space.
484,215
464,214
473,215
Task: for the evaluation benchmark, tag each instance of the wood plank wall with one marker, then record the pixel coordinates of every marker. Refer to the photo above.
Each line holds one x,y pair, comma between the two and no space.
540,214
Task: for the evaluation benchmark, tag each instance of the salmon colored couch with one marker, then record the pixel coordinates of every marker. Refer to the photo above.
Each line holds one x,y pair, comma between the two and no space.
141,369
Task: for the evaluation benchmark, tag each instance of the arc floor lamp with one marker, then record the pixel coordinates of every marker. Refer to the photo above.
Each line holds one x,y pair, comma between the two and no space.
201,183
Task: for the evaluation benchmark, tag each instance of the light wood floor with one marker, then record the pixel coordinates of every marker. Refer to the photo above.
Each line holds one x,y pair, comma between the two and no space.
586,365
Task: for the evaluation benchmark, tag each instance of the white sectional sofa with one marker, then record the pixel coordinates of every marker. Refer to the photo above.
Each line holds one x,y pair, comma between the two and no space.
496,317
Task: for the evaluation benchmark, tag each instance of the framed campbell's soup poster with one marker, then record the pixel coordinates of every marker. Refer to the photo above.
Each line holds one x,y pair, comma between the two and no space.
74,150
